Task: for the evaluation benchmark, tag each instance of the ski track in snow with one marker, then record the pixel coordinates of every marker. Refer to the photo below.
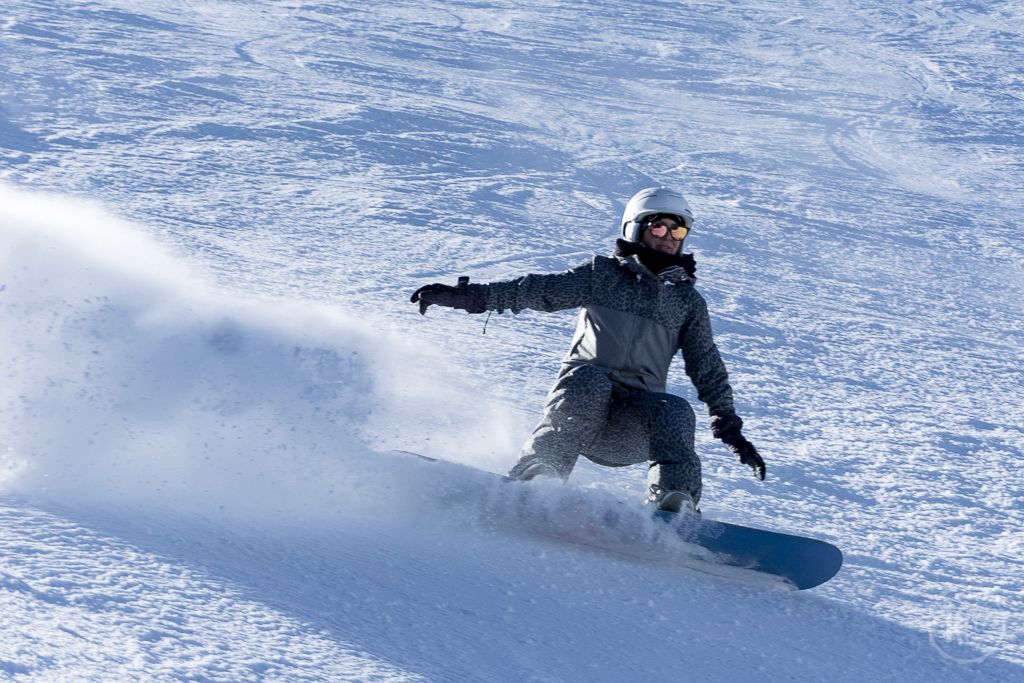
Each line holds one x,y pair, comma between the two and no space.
855,169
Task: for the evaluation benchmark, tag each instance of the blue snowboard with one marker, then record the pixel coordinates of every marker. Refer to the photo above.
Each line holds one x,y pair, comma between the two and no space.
801,561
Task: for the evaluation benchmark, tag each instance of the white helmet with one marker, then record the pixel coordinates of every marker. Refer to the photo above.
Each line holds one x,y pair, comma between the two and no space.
651,201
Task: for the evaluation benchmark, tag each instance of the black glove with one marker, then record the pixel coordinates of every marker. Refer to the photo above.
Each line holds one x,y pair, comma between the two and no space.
728,429
467,297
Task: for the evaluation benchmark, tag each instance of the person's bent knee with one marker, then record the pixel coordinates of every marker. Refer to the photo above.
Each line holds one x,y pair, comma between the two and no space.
676,411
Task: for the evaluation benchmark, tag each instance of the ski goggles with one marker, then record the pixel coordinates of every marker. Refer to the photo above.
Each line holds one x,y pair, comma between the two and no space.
661,226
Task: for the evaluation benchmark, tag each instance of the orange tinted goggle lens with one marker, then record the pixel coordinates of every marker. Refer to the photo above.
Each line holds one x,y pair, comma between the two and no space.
660,228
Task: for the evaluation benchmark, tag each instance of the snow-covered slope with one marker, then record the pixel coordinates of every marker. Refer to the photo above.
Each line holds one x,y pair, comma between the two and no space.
208,361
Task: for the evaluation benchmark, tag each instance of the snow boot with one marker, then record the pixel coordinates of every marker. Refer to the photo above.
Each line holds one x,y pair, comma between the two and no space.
671,501
535,470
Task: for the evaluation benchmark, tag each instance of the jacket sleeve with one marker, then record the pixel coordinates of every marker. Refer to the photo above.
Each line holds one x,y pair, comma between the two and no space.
543,292
704,365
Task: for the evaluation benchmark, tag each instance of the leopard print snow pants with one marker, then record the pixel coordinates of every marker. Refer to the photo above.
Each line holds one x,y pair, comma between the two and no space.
589,415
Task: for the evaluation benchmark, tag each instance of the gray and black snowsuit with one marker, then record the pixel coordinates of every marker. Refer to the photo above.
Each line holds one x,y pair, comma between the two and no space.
609,402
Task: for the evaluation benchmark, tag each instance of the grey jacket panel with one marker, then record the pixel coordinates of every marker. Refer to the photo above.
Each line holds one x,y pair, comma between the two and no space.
631,323
638,351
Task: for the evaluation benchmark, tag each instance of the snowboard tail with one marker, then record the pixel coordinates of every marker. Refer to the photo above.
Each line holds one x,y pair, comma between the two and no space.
803,562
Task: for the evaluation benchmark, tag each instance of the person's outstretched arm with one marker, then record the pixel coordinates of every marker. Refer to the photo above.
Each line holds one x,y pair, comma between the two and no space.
539,292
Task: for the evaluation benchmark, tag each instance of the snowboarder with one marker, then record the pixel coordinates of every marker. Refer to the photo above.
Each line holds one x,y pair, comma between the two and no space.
609,402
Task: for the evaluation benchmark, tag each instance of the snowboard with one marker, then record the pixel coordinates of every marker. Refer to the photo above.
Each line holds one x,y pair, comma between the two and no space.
800,561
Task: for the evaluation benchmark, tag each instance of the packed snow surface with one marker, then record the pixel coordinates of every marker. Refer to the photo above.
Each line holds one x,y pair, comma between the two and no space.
212,214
